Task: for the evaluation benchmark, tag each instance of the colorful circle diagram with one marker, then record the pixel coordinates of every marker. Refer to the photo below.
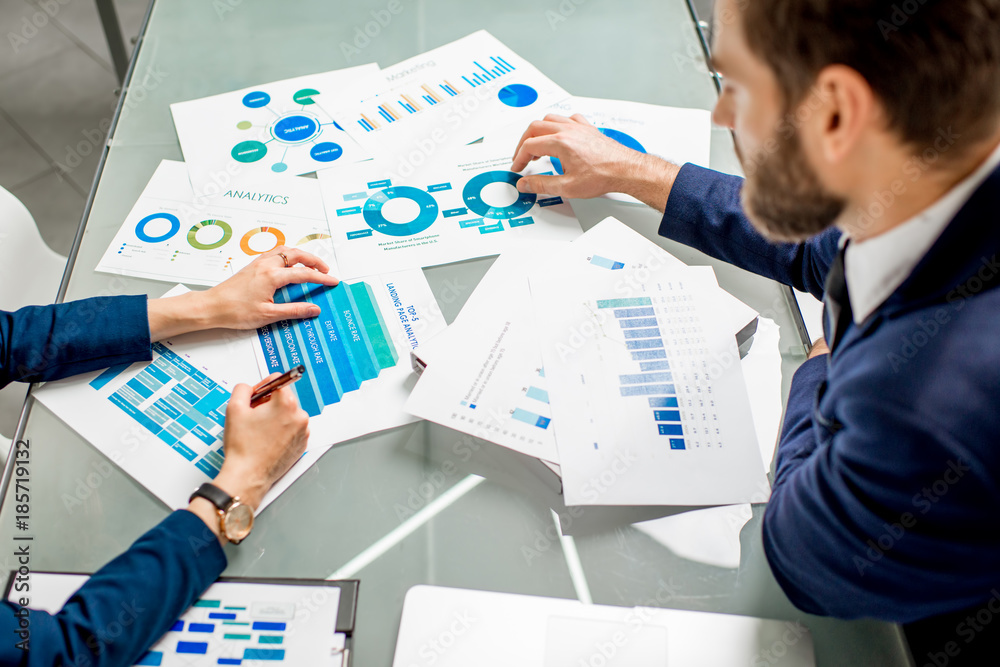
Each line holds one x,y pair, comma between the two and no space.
472,193
227,233
518,95
624,139
140,228
279,239
295,132
425,217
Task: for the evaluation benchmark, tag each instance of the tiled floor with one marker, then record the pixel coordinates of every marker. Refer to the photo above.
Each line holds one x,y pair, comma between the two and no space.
57,87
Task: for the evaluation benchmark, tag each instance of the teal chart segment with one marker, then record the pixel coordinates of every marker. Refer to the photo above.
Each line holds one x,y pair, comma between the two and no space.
623,138
347,344
474,214
292,125
177,403
654,381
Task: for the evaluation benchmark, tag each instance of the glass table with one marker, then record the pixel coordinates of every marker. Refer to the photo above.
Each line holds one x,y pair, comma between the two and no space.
484,516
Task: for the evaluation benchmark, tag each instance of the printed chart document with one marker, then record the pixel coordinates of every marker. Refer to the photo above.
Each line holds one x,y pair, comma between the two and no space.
162,421
449,96
485,375
646,388
173,235
232,624
465,207
277,128
501,629
356,353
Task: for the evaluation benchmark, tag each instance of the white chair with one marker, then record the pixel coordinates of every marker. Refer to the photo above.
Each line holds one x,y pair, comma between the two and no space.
30,272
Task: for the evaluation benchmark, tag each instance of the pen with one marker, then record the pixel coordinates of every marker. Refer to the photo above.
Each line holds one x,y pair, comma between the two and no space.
262,392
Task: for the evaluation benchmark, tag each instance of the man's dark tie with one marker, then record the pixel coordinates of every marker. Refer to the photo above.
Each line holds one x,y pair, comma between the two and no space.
837,301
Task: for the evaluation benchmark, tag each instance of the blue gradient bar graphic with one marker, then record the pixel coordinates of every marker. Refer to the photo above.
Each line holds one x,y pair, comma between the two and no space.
538,394
606,263
197,648
677,443
625,303
644,344
670,429
264,654
634,312
654,366
663,402
645,378
646,355
638,323
647,389
667,415
531,418
642,333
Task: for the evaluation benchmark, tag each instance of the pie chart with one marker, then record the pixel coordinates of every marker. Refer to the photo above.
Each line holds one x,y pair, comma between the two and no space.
518,95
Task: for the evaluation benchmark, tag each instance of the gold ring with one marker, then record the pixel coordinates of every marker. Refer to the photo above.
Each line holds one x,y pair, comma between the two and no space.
283,258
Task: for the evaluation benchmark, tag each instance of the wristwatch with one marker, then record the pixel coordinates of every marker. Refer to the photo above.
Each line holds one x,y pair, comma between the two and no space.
235,518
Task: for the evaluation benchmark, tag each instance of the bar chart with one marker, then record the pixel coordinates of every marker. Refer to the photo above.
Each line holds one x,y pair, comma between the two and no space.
176,402
346,345
640,328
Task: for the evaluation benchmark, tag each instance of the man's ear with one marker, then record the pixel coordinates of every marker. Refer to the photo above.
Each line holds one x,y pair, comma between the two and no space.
842,108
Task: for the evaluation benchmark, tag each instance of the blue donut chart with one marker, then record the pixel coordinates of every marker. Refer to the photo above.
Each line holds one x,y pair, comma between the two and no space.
140,228
624,139
372,211
472,194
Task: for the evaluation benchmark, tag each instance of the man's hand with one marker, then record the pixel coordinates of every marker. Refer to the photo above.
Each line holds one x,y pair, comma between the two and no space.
244,301
593,164
261,444
818,348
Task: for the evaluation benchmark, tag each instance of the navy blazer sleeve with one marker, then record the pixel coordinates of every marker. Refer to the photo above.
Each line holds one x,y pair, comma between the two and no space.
704,211
39,343
126,606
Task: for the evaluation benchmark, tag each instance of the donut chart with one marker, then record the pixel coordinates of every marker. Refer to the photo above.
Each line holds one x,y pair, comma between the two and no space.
624,139
140,228
472,194
378,222
312,237
245,241
192,235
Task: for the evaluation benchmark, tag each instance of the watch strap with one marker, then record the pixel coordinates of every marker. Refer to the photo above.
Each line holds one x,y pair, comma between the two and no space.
214,495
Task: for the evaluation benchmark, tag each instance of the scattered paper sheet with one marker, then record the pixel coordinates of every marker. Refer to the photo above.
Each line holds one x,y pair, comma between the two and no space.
231,623
282,128
471,208
173,235
448,97
646,387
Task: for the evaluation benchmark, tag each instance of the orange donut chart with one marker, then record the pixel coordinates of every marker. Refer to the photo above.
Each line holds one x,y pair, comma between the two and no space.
245,241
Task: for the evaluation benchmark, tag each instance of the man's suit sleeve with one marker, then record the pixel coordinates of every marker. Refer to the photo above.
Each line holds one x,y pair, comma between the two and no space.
704,211
127,605
39,343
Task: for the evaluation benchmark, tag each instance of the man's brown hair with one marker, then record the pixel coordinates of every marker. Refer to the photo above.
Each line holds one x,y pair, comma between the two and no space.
933,64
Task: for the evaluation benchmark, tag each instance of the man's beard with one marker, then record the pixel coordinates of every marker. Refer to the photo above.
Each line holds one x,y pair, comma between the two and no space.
783,197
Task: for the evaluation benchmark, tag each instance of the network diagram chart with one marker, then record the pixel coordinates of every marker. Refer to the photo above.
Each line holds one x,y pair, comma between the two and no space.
174,236
382,224
282,127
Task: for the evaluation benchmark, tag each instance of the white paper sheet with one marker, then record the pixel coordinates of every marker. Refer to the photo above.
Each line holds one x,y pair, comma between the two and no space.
174,236
465,206
646,387
276,129
450,627
484,376
676,134
251,622
356,353
448,97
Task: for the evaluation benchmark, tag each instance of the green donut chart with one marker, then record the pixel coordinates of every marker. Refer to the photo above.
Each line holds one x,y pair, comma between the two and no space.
192,235
472,193
372,211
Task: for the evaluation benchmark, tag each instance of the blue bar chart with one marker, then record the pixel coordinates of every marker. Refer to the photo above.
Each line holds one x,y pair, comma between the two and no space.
654,382
346,345
176,402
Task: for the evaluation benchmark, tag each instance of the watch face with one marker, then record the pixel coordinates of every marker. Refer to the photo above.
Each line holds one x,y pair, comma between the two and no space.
239,521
